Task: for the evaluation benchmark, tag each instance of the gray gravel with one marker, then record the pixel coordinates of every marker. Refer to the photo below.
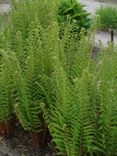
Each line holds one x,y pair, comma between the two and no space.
6,151
4,8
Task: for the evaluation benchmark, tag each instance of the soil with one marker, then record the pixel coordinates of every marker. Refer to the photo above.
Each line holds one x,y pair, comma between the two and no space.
19,144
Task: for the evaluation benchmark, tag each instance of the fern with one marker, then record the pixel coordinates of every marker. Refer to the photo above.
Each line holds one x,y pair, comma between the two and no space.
60,111
106,85
28,107
51,78
71,121
85,114
6,88
82,56
77,116
7,69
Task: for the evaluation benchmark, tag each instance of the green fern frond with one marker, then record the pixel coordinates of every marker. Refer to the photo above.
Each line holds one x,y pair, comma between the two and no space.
28,108
83,121
82,57
7,89
106,92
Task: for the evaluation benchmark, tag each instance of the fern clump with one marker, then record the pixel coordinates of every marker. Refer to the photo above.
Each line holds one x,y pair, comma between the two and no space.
28,108
71,120
106,92
20,17
7,68
49,80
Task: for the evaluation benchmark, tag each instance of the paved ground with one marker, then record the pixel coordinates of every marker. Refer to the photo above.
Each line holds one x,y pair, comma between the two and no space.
104,37
91,6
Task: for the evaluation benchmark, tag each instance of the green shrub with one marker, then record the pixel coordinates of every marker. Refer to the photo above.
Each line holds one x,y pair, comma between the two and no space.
108,17
73,11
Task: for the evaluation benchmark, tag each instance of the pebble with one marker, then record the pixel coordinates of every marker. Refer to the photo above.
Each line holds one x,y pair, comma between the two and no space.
6,151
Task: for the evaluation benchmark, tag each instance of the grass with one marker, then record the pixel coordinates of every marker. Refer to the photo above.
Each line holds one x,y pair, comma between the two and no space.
108,17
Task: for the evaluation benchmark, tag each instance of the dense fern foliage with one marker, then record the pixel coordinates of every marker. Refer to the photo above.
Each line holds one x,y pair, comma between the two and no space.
45,79
7,69
23,13
106,92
